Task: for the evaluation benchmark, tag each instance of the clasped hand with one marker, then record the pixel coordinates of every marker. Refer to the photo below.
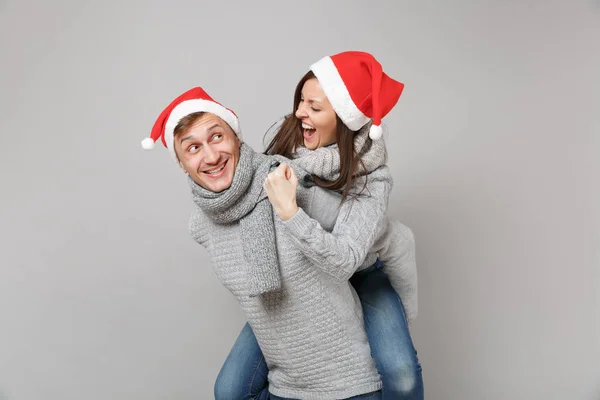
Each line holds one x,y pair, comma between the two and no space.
281,185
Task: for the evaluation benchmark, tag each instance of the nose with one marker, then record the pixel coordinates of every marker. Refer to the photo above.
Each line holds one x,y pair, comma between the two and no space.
301,112
211,155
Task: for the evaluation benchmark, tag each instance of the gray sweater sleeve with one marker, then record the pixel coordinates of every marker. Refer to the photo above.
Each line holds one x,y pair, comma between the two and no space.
361,221
396,250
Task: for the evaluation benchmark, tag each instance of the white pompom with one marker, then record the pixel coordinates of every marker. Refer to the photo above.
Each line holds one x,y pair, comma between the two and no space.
375,132
147,144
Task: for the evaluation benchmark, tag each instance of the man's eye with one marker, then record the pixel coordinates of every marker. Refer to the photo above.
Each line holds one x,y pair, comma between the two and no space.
218,136
193,149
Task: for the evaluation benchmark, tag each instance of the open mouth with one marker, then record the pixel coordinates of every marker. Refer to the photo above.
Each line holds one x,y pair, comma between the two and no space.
217,172
308,131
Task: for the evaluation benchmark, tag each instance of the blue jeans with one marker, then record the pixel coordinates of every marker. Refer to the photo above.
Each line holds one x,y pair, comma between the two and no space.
368,396
244,373
389,338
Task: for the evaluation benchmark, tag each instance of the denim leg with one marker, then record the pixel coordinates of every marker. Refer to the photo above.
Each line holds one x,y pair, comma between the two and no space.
244,373
368,396
389,337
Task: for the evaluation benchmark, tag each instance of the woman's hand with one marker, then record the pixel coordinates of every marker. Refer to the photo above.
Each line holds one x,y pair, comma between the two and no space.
281,185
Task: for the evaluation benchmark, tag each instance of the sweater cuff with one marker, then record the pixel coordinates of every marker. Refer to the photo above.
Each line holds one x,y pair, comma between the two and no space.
299,225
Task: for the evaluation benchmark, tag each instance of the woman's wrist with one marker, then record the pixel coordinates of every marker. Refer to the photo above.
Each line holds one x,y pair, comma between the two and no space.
288,211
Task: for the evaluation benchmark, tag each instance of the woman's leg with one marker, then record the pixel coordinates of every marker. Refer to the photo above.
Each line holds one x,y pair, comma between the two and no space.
244,373
389,337
369,396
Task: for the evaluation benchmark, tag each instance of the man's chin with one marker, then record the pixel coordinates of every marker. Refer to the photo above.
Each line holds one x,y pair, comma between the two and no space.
219,190
215,187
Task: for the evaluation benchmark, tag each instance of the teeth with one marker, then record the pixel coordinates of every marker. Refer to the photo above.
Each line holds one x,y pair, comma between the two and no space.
307,126
216,171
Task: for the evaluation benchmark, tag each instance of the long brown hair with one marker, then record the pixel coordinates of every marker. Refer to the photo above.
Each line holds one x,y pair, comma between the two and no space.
289,137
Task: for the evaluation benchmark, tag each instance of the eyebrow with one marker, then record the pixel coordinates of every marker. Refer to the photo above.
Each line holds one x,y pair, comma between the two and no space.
320,101
189,137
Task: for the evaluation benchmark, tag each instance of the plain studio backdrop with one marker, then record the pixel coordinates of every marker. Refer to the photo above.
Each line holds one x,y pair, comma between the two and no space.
494,147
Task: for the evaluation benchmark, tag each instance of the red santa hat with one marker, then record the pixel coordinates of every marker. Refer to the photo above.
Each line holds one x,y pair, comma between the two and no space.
192,101
358,89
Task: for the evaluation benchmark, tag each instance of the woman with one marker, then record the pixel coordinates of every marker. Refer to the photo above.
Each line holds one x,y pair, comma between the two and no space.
337,104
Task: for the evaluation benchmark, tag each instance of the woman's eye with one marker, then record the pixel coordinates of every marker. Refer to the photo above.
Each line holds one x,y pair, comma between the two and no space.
315,109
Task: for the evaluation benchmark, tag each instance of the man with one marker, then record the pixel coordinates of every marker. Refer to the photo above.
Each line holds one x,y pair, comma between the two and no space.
306,317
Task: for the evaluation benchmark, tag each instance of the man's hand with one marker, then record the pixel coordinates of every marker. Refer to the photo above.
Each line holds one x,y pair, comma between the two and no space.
281,185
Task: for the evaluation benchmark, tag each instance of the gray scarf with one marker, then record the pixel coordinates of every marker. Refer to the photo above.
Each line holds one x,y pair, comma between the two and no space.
246,201
324,162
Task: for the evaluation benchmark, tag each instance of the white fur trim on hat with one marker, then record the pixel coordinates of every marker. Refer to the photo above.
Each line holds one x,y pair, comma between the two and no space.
336,91
147,144
375,132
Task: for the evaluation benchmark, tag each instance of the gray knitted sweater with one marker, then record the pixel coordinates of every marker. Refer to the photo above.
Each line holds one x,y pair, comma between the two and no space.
395,247
311,332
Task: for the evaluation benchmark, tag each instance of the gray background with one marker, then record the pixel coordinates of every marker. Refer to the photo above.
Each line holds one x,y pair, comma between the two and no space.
494,147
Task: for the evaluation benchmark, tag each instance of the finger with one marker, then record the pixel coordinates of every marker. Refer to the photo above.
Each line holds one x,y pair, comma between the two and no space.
271,176
292,173
288,172
293,178
266,183
280,171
